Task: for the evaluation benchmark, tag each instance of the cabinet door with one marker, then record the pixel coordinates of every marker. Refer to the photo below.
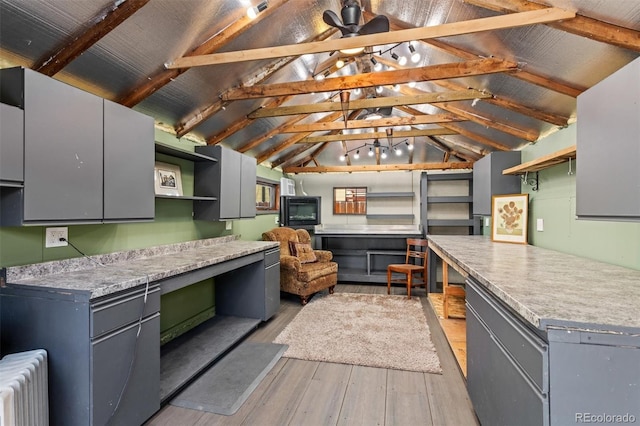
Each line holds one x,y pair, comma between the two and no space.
11,144
488,179
230,183
608,122
248,187
62,152
128,164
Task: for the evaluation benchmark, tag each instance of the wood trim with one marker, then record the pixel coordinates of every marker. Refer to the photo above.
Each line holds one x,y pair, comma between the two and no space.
380,168
428,73
451,29
543,162
104,22
376,135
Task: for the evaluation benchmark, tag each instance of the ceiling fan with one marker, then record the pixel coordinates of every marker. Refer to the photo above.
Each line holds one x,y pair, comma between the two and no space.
349,26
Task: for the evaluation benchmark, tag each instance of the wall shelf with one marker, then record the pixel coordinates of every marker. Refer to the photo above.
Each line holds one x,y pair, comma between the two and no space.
544,162
451,199
186,197
390,194
181,153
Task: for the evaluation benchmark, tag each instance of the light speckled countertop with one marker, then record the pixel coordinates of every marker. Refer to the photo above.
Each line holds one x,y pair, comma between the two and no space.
347,230
549,288
101,275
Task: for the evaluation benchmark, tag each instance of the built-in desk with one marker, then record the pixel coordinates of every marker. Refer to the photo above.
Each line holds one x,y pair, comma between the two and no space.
364,251
98,319
552,339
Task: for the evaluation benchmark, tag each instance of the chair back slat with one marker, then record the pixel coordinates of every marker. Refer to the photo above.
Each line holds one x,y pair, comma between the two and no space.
417,249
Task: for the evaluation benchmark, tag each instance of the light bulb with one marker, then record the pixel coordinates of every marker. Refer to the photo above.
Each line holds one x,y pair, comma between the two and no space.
356,91
356,155
412,84
397,151
415,56
342,157
370,152
339,63
402,61
383,155
319,77
396,87
379,89
409,146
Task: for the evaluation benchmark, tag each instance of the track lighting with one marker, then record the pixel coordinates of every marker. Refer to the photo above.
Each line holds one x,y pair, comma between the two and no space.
394,56
377,66
252,11
415,56
376,144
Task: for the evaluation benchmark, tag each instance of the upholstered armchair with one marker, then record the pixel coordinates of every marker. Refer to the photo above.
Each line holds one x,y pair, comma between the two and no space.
303,271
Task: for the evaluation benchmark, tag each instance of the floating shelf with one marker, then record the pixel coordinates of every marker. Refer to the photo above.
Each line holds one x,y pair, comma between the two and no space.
187,197
390,195
451,199
451,222
390,216
544,162
181,153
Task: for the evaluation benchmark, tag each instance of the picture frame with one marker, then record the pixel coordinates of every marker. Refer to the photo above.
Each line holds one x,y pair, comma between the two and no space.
510,218
167,179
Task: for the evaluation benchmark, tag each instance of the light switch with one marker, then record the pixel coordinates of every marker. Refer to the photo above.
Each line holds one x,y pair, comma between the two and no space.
540,225
487,221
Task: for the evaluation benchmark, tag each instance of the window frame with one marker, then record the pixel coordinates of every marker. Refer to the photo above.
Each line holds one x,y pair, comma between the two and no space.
274,205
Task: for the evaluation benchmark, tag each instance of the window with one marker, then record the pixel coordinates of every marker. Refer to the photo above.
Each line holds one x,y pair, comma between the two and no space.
350,200
267,195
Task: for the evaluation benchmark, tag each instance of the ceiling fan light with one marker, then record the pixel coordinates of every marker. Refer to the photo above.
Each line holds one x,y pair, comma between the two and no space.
352,50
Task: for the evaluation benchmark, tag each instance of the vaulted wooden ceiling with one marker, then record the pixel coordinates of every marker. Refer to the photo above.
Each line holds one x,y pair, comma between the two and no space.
493,74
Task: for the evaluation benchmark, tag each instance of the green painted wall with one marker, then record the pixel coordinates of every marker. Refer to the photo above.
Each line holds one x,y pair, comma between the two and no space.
555,203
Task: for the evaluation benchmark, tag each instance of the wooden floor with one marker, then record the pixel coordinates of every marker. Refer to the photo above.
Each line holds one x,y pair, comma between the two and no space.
309,393
454,327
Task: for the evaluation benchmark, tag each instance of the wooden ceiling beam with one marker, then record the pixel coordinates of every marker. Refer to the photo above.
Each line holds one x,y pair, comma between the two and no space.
387,101
365,124
219,40
529,135
376,135
185,126
102,24
379,168
432,72
581,25
455,28
293,140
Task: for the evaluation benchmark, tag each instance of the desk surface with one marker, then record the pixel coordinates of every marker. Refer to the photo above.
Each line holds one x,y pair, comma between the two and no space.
548,288
102,275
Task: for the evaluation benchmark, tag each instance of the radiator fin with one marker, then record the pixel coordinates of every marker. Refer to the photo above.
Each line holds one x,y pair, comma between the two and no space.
24,395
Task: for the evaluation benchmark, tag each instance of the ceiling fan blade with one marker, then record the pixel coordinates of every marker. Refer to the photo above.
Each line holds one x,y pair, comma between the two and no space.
386,111
330,18
379,24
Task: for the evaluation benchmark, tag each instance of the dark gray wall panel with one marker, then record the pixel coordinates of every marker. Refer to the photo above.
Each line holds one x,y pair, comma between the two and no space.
11,144
488,179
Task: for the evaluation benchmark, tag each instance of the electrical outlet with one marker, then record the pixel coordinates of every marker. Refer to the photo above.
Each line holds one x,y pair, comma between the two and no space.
53,235
277,220
228,225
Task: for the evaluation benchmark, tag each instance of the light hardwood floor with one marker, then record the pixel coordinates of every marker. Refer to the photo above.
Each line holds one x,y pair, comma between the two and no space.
297,392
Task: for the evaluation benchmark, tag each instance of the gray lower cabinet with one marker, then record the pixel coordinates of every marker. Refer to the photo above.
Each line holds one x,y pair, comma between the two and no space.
488,179
82,163
609,121
104,355
232,180
507,376
11,145
568,374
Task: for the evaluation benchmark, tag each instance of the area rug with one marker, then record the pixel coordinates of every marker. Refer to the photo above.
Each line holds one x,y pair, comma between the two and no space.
362,329
227,385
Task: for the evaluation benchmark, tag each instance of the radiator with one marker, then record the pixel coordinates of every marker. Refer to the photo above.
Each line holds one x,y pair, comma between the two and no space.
24,397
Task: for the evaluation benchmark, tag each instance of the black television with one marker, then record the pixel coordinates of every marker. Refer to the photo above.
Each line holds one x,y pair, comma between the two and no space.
299,212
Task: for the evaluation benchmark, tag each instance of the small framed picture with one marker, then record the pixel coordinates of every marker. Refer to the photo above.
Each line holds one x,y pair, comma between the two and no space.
509,218
167,179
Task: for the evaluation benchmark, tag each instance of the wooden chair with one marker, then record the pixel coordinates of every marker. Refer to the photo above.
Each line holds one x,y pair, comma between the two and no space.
414,269
448,290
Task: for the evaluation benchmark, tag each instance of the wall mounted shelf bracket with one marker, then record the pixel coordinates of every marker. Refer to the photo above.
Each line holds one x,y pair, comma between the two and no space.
533,181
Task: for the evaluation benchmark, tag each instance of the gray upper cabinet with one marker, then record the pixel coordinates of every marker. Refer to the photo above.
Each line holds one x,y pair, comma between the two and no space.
607,179
128,164
11,145
488,179
82,163
232,180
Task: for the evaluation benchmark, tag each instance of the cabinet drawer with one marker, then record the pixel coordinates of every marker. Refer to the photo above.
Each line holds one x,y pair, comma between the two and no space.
117,311
528,350
271,257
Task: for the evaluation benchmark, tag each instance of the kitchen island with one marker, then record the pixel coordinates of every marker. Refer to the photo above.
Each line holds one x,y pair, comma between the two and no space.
98,319
551,338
